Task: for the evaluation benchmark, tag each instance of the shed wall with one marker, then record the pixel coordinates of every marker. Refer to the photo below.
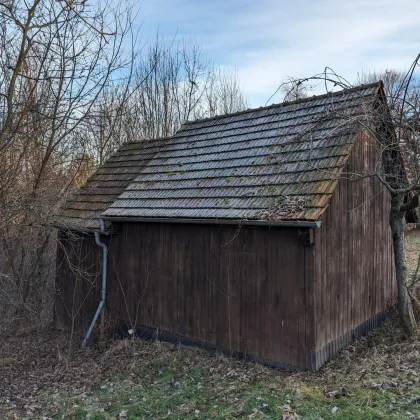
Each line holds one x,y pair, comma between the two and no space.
240,289
236,288
354,256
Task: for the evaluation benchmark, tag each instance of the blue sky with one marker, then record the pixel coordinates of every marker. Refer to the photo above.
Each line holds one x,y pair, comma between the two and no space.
267,40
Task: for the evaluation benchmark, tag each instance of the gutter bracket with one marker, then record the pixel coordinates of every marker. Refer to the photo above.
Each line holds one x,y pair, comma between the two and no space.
306,236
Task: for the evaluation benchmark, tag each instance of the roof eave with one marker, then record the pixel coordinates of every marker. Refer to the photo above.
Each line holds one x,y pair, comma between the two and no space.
235,222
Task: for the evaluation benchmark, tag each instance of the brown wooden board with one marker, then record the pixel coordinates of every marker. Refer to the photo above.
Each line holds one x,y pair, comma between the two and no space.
236,288
353,252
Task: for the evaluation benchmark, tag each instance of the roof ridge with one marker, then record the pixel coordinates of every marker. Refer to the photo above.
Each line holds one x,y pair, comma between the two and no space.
378,84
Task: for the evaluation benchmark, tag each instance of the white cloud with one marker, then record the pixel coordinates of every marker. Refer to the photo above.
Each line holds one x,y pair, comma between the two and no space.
269,40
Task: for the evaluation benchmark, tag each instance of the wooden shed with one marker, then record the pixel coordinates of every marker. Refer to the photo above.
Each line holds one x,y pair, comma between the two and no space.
244,232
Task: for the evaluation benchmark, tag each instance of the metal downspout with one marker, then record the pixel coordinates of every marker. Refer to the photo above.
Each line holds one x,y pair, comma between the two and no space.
101,306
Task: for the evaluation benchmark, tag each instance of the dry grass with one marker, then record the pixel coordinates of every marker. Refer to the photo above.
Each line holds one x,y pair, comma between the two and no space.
412,248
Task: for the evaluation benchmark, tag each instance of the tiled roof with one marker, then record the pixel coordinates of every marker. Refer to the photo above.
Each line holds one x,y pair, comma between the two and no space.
83,209
278,163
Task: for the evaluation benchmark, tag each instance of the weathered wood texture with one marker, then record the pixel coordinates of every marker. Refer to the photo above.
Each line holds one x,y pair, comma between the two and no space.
78,281
241,289
353,251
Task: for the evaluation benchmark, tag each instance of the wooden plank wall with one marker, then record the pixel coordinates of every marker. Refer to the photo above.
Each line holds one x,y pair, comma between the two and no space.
353,251
241,289
78,279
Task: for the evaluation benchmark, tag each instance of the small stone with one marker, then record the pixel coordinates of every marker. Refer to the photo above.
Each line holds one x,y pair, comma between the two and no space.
388,385
334,410
331,394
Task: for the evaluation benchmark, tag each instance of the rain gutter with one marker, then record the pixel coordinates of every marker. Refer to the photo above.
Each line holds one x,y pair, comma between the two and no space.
269,223
101,306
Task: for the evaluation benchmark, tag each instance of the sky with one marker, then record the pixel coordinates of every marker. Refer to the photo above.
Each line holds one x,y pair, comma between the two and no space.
266,41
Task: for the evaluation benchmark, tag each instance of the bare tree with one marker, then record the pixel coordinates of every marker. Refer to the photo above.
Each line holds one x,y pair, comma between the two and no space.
56,59
292,89
223,94
170,85
393,123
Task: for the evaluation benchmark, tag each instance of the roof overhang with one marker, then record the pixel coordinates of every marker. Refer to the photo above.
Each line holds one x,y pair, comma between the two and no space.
235,222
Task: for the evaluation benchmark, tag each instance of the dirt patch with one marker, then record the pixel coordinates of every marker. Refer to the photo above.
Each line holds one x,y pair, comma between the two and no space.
34,363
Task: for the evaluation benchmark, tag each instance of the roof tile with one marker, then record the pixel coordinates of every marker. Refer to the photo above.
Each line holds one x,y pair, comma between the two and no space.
278,162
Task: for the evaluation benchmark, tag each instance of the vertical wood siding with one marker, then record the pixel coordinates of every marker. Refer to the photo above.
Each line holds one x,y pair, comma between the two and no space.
240,289
353,252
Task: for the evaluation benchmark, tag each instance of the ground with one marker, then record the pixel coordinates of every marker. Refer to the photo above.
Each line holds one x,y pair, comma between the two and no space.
412,248
376,378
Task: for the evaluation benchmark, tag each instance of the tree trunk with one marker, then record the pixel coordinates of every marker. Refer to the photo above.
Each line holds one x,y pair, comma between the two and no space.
405,305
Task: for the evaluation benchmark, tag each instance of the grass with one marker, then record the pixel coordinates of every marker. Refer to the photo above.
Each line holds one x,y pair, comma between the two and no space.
160,381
